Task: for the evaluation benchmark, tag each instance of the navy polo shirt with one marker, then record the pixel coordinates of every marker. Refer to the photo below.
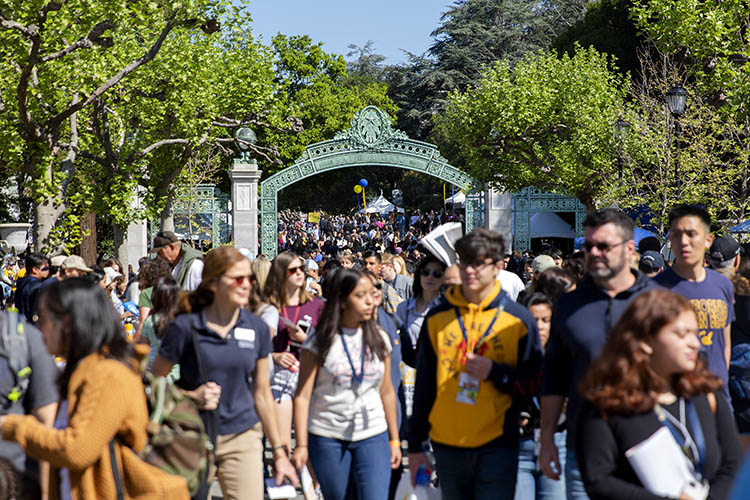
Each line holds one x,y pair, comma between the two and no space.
229,362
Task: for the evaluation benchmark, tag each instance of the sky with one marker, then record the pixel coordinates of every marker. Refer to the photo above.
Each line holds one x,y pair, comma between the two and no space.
391,24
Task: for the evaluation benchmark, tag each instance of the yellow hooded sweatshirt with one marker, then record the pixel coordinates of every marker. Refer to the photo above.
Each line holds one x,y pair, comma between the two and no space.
512,344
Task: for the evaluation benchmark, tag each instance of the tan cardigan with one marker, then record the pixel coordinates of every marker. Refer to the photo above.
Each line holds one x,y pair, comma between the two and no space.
105,398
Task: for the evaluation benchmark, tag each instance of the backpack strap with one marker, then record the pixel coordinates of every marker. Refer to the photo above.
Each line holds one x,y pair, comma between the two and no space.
17,346
115,470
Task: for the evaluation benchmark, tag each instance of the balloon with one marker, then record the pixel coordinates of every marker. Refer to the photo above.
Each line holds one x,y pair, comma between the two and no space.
357,189
363,183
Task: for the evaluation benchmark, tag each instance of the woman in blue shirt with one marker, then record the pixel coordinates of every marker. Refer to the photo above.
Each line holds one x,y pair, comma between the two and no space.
233,347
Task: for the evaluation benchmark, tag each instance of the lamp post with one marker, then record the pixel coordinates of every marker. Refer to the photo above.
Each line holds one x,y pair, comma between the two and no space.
621,127
677,102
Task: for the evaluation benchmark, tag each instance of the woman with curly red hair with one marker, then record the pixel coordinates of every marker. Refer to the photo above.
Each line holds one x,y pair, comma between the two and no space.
650,376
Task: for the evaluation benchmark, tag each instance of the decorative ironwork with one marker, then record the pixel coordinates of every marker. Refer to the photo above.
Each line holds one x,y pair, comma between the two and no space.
530,200
201,215
370,141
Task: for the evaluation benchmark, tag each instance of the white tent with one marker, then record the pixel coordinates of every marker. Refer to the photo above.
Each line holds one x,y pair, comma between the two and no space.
381,206
458,199
550,225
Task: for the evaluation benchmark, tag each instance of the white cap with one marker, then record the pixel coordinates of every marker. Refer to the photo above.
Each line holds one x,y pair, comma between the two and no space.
311,265
110,274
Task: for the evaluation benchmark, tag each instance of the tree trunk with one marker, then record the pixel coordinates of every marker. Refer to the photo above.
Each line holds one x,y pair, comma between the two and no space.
121,242
46,215
88,238
167,216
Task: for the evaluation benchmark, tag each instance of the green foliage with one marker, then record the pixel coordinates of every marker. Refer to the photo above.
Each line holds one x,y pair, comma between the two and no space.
608,28
547,122
472,36
713,40
313,96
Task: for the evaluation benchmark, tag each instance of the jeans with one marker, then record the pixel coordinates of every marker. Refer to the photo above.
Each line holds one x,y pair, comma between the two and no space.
487,472
368,461
573,481
531,483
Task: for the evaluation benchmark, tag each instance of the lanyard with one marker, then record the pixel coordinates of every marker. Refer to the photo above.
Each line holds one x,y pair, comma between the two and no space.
461,325
296,313
695,450
357,378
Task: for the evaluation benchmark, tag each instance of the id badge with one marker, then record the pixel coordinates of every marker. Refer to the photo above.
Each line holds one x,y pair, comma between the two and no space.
468,388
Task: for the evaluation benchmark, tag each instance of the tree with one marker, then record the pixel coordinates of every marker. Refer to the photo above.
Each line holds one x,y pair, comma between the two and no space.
546,122
710,167
608,27
711,38
312,95
59,59
473,35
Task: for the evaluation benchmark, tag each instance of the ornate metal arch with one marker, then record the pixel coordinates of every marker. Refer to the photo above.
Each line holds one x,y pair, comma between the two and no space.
370,141
530,200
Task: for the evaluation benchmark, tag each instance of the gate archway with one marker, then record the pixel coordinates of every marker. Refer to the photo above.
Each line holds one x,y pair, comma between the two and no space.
370,141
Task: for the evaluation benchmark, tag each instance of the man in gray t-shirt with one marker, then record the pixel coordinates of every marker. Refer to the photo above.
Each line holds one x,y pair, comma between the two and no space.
401,283
39,399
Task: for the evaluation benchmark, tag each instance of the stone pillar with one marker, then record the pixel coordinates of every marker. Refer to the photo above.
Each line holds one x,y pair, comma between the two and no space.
136,236
499,213
245,176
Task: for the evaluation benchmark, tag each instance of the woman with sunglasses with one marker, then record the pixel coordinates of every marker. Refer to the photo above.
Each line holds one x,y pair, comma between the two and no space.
345,406
228,375
299,311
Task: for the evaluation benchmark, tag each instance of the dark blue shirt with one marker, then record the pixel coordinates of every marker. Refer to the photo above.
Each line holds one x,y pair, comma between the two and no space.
230,362
27,291
581,321
713,302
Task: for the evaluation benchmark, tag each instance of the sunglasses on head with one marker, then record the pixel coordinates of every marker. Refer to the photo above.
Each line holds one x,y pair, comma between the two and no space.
436,273
294,269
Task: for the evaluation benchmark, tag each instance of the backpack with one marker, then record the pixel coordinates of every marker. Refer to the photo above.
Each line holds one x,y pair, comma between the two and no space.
739,385
177,439
15,358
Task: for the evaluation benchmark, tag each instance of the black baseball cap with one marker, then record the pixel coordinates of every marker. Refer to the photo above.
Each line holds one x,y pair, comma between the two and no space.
724,249
162,239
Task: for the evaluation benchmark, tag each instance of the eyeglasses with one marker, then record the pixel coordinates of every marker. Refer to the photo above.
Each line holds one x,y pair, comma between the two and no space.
476,266
293,270
436,273
239,280
602,247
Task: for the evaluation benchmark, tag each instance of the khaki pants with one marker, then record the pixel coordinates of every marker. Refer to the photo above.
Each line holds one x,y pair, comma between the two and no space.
239,463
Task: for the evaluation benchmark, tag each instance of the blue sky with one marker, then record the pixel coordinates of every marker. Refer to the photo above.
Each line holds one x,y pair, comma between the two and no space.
391,24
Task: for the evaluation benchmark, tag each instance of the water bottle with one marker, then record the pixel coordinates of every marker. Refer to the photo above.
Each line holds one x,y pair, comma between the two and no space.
421,485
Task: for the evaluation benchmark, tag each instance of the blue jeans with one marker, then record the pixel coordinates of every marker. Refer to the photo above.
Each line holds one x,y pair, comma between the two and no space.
573,481
368,461
487,472
531,483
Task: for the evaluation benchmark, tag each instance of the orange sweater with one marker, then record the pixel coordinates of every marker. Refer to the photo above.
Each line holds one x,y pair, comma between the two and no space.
105,398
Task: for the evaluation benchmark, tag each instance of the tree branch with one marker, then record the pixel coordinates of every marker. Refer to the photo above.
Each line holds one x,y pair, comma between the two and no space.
165,142
28,31
85,42
56,120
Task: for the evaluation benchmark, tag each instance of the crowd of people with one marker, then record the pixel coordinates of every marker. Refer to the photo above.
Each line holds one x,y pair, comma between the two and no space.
603,374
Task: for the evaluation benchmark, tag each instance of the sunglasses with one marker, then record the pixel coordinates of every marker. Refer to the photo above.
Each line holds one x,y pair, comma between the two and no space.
437,274
239,280
602,247
293,270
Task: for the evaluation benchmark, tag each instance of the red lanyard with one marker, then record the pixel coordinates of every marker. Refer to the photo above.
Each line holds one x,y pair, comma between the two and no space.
296,313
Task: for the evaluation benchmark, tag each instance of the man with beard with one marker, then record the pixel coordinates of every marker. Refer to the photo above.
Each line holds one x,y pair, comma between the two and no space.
581,321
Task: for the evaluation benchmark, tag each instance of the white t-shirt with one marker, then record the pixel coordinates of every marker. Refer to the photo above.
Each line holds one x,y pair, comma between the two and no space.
510,283
194,274
339,407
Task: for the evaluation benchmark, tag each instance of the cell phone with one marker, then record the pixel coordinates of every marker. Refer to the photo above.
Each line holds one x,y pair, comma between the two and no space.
304,325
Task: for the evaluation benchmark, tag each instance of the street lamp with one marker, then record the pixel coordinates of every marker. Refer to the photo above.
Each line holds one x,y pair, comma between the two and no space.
677,102
622,127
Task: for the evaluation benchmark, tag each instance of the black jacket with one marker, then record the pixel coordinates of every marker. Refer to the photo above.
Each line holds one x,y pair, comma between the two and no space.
581,321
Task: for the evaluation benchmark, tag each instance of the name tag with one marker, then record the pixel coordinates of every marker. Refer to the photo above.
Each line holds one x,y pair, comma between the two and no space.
246,334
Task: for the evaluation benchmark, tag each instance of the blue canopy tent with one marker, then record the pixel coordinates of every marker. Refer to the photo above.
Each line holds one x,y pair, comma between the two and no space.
742,227
638,235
